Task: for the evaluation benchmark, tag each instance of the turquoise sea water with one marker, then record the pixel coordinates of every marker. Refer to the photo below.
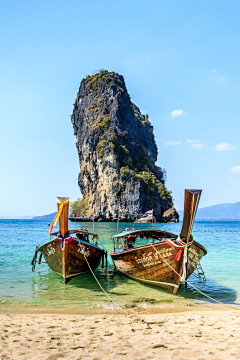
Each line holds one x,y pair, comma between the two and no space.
20,286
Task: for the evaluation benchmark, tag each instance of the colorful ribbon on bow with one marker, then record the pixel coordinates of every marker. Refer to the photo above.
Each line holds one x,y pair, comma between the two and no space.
66,239
54,223
182,246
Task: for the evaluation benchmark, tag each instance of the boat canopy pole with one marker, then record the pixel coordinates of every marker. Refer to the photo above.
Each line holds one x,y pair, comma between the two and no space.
153,222
117,223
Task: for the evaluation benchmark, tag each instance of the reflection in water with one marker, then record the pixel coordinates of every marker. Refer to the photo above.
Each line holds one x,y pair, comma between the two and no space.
19,285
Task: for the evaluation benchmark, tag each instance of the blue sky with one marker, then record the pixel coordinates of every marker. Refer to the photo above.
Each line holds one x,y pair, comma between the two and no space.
180,61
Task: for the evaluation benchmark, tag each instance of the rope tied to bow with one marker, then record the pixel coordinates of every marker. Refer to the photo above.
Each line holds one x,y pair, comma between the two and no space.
183,247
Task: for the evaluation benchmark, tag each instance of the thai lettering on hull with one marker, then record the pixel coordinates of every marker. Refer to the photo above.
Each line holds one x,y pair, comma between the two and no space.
152,259
50,249
83,250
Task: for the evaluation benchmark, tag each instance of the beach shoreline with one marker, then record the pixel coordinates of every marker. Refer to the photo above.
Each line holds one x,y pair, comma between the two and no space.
199,333
140,309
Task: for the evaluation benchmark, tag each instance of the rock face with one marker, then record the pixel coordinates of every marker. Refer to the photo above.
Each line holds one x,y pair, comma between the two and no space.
117,151
171,215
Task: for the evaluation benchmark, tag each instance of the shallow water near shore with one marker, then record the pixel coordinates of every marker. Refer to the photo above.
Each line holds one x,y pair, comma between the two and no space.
19,286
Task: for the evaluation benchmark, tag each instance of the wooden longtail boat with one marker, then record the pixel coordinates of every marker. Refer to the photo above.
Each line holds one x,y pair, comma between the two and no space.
67,252
145,263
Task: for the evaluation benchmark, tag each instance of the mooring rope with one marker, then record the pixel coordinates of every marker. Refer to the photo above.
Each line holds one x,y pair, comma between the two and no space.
119,307
83,252
232,307
40,267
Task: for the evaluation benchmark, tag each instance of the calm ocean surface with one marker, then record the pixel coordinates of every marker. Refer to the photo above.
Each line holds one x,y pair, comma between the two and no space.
20,286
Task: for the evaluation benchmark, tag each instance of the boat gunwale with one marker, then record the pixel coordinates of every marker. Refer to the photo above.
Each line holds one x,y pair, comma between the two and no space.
84,242
150,245
75,231
131,232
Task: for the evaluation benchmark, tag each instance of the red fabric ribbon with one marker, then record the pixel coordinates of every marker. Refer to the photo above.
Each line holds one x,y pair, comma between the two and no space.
67,241
179,254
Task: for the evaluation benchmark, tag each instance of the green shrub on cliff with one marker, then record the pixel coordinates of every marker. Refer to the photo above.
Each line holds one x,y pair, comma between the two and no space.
148,181
101,145
95,79
122,152
105,123
123,185
114,141
79,207
123,172
165,194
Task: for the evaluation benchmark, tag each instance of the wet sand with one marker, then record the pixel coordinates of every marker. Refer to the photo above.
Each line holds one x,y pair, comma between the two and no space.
198,332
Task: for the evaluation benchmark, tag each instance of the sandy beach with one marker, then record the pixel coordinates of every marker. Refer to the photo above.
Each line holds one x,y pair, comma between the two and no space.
200,333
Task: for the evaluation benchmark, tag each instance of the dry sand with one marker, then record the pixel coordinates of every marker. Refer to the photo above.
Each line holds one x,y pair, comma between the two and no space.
196,334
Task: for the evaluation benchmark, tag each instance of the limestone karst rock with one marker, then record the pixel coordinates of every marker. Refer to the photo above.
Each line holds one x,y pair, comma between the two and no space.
117,151
170,215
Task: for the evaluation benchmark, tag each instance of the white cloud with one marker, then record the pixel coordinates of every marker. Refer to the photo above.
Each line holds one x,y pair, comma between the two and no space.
176,113
221,79
193,141
224,146
172,142
196,144
235,169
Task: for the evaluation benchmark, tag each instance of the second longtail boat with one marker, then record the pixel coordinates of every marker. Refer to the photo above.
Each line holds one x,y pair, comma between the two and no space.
166,259
69,253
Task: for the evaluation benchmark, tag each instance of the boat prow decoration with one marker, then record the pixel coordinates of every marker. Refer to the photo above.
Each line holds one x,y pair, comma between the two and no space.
191,202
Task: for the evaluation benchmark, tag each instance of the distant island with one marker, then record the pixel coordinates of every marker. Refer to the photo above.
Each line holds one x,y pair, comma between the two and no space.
12,217
226,211
215,212
46,217
218,212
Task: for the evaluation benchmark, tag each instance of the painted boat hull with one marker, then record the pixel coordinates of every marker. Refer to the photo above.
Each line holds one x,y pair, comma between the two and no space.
75,263
143,264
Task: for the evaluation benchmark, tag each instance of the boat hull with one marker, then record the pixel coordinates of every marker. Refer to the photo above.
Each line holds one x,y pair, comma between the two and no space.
145,265
74,263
